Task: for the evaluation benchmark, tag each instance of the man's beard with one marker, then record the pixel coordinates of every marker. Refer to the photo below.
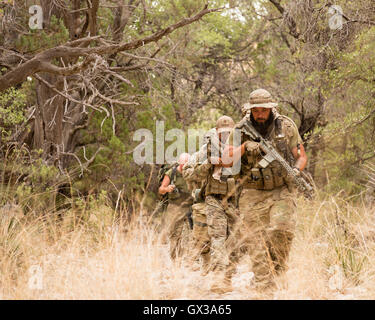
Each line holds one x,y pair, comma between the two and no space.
262,127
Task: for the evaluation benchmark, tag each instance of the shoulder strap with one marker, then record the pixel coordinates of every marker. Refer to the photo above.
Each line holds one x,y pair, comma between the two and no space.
240,124
173,175
161,173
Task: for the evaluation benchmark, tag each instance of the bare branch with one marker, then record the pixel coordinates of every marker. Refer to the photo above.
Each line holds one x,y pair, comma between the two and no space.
40,63
291,23
83,166
64,95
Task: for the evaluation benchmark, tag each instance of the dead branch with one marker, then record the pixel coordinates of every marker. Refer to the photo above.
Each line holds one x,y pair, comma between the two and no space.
83,166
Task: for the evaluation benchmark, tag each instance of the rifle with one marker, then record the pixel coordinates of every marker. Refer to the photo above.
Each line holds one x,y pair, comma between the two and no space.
271,155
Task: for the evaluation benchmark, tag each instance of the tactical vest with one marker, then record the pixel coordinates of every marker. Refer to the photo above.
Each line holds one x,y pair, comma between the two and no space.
274,175
181,191
220,186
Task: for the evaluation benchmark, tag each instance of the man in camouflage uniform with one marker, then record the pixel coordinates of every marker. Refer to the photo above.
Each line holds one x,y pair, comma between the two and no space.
267,201
179,203
200,239
221,212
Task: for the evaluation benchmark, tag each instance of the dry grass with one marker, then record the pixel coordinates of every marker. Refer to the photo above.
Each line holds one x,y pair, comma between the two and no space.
99,258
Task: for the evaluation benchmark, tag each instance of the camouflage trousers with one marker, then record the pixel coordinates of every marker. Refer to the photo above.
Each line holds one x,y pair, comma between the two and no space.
200,237
223,223
178,229
267,231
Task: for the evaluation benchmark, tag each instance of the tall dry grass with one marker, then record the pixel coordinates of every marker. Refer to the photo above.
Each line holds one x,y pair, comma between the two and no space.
67,256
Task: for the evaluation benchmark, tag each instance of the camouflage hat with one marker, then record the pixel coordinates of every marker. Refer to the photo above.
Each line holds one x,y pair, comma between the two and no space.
260,98
224,123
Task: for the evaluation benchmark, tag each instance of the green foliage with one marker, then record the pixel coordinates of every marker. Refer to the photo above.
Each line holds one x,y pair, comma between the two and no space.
208,69
40,189
349,133
12,104
36,40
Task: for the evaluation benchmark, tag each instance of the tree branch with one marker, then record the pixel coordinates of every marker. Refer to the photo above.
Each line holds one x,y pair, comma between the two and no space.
292,25
38,63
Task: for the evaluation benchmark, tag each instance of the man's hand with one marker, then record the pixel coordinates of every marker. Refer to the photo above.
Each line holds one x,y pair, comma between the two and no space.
170,188
216,160
252,148
297,171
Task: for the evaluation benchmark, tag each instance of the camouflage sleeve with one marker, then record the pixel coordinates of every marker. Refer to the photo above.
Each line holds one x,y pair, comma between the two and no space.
197,172
202,170
169,173
293,135
188,172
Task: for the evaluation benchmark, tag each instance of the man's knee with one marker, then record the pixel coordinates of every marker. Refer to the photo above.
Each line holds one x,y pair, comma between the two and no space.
281,241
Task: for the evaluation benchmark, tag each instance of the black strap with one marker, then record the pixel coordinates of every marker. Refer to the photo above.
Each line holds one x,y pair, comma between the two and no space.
173,175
